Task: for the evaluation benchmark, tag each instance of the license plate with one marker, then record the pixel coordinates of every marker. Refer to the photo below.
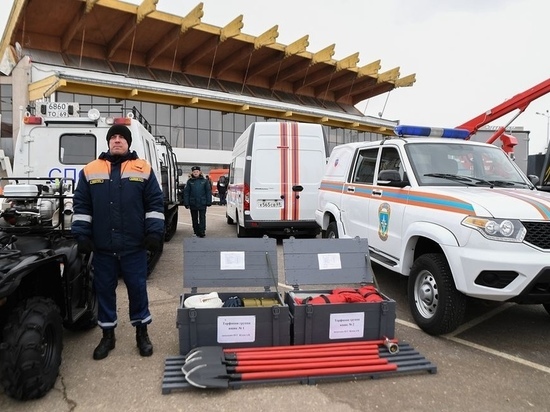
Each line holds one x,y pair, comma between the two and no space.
59,110
270,204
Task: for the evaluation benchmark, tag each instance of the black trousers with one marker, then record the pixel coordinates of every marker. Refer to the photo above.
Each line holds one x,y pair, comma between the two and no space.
198,217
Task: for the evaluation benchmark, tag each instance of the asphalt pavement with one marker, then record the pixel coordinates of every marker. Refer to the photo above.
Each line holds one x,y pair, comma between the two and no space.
499,360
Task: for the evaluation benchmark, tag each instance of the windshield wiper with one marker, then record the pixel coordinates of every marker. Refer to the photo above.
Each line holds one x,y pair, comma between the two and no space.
503,183
490,183
457,178
483,182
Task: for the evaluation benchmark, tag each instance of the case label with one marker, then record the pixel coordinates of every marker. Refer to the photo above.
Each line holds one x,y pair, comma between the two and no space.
346,325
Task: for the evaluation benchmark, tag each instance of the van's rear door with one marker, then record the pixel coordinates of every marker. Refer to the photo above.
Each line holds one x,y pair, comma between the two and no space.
56,151
286,169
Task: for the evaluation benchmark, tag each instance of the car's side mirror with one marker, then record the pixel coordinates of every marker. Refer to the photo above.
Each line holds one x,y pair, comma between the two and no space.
534,179
391,178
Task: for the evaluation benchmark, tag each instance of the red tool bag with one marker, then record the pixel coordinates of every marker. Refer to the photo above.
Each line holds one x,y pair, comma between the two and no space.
344,295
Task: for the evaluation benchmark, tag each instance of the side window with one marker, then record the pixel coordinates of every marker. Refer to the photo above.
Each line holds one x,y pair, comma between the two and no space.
232,172
390,165
364,169
152,152
77,149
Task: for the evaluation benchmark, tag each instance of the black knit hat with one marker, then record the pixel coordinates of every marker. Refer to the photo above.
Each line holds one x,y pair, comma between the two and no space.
121,130
195,168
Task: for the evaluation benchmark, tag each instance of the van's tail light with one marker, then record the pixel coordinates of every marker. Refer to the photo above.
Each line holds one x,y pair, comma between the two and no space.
127,121
32,120
246,197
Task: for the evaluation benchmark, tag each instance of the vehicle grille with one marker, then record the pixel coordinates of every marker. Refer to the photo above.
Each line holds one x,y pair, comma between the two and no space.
538,234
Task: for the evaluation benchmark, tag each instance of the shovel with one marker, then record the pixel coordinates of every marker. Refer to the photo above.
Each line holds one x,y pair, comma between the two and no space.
217,352
279,354
283,364
282,350
217,376
302,347
316,363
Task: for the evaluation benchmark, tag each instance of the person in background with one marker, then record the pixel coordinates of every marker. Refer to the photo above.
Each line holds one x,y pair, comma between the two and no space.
119,215
222,189
209,180
197,196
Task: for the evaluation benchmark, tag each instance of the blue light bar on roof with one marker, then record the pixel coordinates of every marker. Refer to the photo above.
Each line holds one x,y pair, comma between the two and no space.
404,130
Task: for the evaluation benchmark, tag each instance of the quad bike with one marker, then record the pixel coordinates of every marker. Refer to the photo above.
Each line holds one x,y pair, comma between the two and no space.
45,283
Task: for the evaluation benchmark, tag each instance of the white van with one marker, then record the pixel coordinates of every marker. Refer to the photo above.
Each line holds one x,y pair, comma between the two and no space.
56,140
274,179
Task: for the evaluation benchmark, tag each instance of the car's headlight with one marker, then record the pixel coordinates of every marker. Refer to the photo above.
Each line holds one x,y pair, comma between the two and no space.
505,230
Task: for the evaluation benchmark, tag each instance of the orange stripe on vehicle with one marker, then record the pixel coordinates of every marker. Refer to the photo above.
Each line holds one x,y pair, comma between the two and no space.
539,204
411,198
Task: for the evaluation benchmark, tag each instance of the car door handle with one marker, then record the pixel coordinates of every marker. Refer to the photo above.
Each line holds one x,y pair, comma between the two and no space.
351,189
377,193
297,188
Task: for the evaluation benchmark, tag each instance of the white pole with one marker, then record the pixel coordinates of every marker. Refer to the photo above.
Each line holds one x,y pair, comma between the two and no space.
547,115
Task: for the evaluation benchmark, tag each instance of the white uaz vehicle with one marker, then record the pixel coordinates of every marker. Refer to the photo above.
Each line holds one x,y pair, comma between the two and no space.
457,217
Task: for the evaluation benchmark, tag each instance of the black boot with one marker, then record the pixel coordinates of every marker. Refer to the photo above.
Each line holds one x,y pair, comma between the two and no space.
143,342
106,344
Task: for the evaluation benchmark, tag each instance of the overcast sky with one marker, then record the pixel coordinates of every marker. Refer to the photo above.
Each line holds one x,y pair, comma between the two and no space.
468,55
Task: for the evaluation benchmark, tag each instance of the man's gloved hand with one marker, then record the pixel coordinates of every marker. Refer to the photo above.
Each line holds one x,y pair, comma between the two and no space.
151,243
85,245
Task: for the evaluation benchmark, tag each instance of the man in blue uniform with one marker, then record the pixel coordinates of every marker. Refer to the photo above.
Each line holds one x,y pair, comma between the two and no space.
119,215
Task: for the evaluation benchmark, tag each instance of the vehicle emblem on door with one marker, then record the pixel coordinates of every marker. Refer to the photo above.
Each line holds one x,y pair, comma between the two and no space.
384,211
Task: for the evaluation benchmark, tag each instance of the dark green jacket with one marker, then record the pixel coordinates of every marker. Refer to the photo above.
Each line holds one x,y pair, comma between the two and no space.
197,193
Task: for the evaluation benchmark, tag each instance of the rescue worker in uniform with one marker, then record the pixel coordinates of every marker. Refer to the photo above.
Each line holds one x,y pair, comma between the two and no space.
197,196
119,216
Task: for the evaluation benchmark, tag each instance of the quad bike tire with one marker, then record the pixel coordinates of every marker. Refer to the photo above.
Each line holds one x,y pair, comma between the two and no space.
30,356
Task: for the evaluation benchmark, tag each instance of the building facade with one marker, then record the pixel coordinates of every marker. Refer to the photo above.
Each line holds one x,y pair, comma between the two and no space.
197,84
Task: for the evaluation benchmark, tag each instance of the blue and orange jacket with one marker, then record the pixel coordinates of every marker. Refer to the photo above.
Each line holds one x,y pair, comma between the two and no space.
117,202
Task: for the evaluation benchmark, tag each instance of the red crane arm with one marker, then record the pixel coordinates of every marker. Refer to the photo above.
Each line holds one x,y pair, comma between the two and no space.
518,102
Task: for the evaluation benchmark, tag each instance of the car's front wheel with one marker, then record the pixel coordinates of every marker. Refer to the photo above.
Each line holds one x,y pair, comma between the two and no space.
436,305
31,353
331,232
